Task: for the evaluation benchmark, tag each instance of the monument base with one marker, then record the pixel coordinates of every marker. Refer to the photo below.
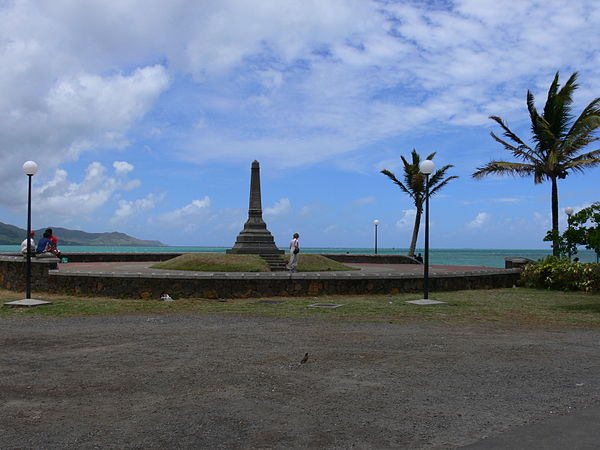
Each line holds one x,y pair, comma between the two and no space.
255,245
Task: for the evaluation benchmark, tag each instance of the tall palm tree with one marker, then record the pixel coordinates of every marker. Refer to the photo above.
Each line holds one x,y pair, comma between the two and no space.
558,142
414,187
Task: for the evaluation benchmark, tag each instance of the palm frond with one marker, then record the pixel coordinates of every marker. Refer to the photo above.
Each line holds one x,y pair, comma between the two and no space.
557,111
435,189
534,117
523,151
585,161
507,131
438,175
401,185
582,131
504,168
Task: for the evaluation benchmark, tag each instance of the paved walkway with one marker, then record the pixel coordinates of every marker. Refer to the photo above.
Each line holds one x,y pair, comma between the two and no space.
577,431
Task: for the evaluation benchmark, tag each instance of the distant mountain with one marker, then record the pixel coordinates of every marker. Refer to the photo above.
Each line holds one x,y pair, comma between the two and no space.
9,234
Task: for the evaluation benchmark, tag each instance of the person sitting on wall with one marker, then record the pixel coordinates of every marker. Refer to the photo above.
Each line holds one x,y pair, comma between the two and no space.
31,244
45,249
53,243
419,258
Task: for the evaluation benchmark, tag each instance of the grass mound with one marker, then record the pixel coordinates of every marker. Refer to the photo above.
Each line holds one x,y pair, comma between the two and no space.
215,262
222,262
318,263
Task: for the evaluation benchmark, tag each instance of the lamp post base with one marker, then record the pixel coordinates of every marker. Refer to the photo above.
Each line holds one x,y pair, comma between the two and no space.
28,302
425,301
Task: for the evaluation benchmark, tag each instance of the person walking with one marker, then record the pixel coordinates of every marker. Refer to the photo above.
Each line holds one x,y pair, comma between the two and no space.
294,250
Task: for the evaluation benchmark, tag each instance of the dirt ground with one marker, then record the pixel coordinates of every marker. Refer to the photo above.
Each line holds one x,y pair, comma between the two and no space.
214,381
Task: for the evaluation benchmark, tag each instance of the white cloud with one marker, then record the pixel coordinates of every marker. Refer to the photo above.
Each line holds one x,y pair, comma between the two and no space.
62,199
407,221
355,71
77,115
364,201
130,209
331,229
187,215
280,208
345,92
479,221
122,167
291,83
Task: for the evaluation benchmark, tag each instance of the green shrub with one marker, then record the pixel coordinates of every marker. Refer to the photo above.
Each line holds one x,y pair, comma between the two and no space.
560,274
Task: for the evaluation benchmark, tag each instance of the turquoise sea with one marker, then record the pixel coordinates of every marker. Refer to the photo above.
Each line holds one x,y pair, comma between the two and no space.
455,256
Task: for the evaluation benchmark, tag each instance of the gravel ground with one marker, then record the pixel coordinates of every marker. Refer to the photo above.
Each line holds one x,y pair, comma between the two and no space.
212,381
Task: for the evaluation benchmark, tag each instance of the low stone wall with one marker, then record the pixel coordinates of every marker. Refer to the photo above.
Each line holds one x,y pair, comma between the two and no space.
47,278
119,257
371,259
516,263
13,272
163,256
220,286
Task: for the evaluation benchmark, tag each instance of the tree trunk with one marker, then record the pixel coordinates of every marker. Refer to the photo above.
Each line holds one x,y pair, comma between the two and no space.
415,235
555,249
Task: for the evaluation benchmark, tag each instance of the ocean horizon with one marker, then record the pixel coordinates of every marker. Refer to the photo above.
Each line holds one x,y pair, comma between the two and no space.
450,256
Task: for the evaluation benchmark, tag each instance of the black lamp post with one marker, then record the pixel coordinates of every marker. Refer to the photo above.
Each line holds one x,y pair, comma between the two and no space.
426,168
376,223
569,212
30,168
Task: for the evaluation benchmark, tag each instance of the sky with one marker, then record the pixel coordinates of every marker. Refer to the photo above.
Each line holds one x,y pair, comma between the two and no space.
144,116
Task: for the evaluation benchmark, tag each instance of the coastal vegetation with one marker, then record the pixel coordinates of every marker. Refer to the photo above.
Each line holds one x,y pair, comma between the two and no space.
558,141
222,262
414,186
583,230
507,308
562,274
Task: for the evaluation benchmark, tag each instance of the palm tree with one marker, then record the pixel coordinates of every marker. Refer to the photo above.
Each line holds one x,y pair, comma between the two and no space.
414,186
558,142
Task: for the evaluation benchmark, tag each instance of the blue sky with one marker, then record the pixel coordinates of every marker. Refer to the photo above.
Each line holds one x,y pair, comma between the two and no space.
144,116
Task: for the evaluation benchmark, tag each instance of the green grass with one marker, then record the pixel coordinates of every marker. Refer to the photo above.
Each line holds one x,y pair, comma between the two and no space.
215,262
318,263
500,307
222,262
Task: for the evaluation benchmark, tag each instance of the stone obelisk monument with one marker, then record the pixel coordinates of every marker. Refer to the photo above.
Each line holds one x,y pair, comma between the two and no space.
255,238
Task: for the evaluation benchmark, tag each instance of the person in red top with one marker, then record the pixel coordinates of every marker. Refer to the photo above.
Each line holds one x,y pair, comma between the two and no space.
53,247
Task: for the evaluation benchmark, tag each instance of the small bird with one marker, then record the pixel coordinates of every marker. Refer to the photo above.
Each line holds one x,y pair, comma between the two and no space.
304,359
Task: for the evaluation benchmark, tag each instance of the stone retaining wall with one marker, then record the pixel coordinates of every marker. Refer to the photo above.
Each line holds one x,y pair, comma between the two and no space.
47,278
163,256
371,259
219,286
13,271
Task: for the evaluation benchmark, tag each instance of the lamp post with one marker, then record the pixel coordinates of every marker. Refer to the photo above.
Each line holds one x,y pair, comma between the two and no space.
569,212
376,223
30,168
426,168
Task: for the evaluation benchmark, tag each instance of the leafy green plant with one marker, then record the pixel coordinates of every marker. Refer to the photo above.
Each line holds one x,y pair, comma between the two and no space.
561,274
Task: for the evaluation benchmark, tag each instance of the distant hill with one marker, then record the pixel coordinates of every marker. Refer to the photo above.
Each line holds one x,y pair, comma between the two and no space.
9,234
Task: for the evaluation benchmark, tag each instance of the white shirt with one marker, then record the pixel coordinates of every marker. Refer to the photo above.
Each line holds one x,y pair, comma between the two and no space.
24,245
294,244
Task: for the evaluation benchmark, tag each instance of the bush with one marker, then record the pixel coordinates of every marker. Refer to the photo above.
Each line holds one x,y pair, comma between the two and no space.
560,274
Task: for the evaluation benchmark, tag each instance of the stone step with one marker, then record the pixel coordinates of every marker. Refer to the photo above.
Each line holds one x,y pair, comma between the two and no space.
276,264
